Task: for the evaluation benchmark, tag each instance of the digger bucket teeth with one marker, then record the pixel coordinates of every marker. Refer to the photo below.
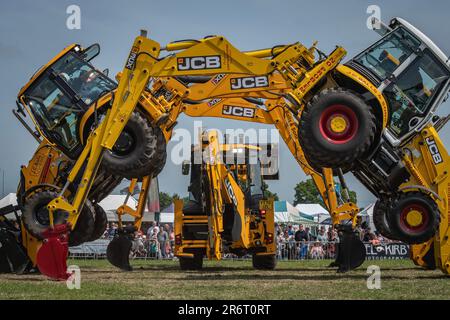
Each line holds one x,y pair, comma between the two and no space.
118,252
351,252
51,257
12,255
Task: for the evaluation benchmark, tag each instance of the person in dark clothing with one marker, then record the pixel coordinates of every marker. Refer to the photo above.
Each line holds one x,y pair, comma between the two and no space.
301,234
302,237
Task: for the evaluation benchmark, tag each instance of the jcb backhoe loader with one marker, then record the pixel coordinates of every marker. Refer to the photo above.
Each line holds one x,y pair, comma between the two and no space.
227,211
68,100
342,116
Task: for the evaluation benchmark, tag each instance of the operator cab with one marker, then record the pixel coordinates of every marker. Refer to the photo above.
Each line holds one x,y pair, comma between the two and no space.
61,92
412,73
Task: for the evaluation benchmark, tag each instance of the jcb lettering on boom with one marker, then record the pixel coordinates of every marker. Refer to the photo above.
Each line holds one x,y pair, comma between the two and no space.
434,150
132,58
231,192
198,63
249,82
238,111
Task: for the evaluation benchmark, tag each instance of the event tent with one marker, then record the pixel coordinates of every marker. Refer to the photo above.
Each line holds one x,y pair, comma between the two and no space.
9,199
114,201
287,213
314,210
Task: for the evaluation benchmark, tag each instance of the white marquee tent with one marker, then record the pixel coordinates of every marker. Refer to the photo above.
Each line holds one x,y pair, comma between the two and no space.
315,210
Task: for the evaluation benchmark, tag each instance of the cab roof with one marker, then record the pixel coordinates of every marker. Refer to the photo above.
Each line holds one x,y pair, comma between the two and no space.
422,37
45,67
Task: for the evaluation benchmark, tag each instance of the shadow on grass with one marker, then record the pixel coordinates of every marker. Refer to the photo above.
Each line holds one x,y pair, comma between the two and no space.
303,277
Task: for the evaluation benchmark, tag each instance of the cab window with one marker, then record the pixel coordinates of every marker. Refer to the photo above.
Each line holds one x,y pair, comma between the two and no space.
389,53
411,94
55,112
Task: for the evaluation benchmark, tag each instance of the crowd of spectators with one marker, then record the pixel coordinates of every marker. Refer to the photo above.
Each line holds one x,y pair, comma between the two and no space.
154,240
300,242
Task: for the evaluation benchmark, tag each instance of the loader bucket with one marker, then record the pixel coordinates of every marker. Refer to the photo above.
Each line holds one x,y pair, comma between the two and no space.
13,257
118,251
351,252
52,256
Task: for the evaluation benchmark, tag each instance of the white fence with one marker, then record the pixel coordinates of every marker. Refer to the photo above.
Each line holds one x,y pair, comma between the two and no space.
285,251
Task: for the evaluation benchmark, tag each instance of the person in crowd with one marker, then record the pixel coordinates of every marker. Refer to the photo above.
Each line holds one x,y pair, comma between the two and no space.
171,243
379,237
163,237
302,237
317,251
301,234
153,243
368,236
138,247
321,236
332,242
291,247
112,230
290,230
150,230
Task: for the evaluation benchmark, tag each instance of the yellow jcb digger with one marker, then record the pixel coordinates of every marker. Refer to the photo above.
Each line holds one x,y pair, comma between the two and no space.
227,211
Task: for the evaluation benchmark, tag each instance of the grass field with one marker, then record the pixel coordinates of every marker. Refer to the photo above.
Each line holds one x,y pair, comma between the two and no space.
232,280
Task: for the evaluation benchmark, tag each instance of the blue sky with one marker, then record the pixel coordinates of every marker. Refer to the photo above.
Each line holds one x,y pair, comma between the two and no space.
31,32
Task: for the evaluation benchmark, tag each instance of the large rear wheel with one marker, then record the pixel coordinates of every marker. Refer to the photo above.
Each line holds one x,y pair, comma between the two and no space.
413,217
101,223
336,128
35,215
139,151
194,263
82,232
380,211
264,262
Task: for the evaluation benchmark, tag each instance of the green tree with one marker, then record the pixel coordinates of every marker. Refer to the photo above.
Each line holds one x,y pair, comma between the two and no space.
269,194
164,200
306,192
176,196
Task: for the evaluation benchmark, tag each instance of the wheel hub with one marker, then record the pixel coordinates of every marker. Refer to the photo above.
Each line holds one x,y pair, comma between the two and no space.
124,144
414,218
42,216
338,124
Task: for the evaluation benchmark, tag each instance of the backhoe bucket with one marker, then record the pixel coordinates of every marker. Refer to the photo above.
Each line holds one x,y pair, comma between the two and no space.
51,257
351,251
118,251
13,257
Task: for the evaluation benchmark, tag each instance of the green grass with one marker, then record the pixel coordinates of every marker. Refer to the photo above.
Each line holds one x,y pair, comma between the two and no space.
232,280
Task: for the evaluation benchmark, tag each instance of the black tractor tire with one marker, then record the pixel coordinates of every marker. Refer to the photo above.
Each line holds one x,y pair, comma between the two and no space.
35,216
327,147
264,262
194,263
139,151
101,223
103,185
421,203
84,227
380,212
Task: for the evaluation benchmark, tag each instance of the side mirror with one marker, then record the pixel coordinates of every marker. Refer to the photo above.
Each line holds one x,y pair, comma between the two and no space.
106,72
91,52
379,27
185,167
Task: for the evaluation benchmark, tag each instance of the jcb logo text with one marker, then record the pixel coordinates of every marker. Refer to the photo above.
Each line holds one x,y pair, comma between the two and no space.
198,63
434,150
249,82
